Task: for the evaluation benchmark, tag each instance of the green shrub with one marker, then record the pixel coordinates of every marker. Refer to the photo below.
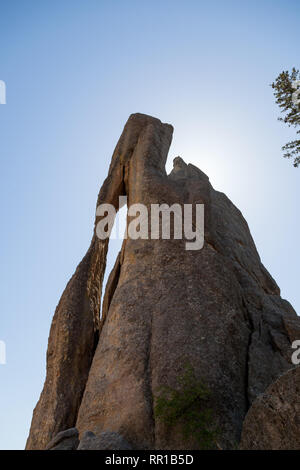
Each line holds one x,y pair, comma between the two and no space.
187,406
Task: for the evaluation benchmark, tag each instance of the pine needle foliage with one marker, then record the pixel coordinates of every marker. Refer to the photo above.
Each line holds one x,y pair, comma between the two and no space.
283,92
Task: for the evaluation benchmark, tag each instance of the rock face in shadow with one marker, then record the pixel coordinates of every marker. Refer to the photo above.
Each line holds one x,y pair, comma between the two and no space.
72,341
64,440
273,421
217,308
105,441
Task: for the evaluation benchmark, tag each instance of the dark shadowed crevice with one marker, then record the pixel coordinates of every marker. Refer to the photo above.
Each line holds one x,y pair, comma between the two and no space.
148,379
247,360
110,289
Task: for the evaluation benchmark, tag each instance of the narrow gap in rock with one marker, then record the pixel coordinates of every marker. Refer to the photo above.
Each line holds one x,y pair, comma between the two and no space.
114,247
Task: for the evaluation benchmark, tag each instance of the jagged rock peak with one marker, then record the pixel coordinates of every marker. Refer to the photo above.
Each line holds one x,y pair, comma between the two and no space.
216,308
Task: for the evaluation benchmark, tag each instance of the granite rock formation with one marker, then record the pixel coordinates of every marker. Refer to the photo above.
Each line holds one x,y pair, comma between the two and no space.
273,421
217,308
105,441
64,440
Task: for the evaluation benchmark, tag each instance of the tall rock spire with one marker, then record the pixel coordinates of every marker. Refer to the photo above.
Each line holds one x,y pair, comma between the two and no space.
216,308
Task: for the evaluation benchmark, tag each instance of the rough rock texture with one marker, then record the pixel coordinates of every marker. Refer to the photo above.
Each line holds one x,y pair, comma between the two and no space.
217,308
105,441
72,341
273,421
64,440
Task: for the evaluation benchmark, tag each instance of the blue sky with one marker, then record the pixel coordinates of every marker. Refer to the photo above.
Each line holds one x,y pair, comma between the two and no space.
74,71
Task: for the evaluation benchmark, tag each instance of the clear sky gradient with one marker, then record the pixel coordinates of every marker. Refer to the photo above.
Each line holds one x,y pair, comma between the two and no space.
74,71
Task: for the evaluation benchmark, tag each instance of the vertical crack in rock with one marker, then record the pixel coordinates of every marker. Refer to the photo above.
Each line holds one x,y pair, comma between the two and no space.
247,401
110,288
149,380
247,361
148,388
